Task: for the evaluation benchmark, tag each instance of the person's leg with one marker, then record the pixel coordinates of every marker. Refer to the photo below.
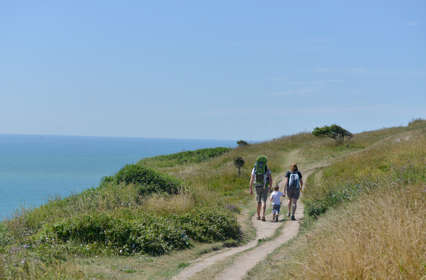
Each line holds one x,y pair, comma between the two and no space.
278,212
293,213
259,202
259,205
289,207
264,198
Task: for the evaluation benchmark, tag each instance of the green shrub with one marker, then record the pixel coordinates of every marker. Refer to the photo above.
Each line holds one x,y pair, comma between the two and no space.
207,224
128,233
146,234
5,237
187,157
147,179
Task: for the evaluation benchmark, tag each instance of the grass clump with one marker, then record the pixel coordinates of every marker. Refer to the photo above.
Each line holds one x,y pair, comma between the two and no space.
144,233
365,171
186,157
147,180
126,232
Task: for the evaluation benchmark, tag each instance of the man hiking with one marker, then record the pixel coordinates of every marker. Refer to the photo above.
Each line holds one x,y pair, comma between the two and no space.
262,179
292,187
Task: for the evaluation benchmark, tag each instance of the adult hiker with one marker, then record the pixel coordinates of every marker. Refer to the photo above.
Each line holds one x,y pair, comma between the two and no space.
292,187
262,179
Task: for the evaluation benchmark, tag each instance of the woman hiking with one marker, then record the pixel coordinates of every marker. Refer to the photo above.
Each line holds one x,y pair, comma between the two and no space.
292,187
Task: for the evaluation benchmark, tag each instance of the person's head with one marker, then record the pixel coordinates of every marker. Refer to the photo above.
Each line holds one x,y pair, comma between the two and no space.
276,188
293,167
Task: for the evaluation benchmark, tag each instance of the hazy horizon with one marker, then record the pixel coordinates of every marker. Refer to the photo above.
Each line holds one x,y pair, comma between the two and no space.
210,70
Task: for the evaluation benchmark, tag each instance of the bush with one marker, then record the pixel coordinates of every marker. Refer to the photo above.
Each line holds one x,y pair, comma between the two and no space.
187,157
334,131
5,237
150,234
147,234
207,225
242,143
147,179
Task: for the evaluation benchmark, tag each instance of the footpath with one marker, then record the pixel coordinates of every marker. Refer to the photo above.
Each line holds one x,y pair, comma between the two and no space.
269,236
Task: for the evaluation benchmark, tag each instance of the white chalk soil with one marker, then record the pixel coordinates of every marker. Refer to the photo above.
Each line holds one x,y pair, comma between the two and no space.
253,252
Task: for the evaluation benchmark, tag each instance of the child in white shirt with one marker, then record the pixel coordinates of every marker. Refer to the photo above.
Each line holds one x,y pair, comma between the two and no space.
276,203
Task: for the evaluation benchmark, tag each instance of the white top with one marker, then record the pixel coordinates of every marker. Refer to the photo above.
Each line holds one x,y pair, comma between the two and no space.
276,195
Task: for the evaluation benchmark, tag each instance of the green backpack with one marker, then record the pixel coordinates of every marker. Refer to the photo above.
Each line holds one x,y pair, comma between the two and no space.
260,169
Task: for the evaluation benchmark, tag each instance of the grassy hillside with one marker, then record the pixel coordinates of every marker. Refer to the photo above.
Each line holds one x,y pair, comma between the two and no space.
137,222
374,223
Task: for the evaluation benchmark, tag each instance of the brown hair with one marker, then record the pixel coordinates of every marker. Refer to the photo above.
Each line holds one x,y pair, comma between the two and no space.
276,188
293,167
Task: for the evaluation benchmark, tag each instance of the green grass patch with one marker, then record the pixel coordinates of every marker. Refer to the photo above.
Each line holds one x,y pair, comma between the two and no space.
186,157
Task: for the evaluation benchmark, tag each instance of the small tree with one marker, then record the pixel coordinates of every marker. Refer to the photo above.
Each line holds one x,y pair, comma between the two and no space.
242,143
239,162
333,131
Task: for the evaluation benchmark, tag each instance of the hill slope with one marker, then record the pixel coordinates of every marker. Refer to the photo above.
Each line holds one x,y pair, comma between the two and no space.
116,230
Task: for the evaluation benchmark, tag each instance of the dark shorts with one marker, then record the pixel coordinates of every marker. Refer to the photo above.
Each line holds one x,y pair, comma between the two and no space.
276,209
261,194
293,193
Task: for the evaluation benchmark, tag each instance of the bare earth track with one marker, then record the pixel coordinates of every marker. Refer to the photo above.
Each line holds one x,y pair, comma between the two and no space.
253,252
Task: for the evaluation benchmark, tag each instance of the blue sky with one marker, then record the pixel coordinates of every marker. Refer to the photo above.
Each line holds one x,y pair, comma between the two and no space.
210,70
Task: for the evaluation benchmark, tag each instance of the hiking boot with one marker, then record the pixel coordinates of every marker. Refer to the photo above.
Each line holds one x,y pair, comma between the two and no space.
263,219
258,217
288,214
293,218
276,218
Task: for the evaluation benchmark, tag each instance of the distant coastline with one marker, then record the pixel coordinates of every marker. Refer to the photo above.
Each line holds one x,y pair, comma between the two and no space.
35,168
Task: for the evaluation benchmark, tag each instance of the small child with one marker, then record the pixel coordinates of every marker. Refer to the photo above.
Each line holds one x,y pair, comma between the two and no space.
276,203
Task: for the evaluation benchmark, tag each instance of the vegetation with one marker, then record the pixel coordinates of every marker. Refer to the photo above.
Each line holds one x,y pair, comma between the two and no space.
147,180
242,143
161,213
364,216
334,131
188,157
239,162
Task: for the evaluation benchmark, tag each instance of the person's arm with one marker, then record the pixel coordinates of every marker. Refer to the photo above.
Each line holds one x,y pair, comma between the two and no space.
271,197
251,184
301,184
285,186
270,181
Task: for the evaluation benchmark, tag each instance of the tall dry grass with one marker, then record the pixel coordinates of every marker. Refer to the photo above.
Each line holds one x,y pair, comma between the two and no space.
380,237
173,204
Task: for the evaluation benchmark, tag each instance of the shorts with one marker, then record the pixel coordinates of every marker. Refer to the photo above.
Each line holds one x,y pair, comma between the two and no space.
261,194
276,209
293,193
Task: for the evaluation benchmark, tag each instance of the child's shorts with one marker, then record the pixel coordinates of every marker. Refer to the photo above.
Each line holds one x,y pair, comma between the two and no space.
276,208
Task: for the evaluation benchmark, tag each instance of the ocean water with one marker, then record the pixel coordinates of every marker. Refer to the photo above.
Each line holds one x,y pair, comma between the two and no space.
34,169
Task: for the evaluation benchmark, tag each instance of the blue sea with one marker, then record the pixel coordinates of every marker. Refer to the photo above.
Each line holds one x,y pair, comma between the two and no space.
34,169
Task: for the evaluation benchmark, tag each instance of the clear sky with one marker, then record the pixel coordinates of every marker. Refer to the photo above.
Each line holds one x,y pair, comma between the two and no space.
210,69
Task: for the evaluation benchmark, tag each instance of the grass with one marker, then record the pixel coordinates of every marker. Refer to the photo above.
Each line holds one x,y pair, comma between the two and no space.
172,190
366,216
187,157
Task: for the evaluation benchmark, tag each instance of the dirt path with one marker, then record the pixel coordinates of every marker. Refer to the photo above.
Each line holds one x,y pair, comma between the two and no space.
244,263
251,254
263,230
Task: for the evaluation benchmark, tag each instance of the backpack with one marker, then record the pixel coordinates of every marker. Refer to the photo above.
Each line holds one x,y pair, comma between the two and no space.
294,181
260,171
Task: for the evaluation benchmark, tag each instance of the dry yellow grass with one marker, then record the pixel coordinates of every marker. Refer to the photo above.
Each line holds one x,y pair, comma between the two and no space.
380,237
173,204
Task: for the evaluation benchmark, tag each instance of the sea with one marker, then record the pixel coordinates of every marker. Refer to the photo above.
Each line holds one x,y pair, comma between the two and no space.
36,168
